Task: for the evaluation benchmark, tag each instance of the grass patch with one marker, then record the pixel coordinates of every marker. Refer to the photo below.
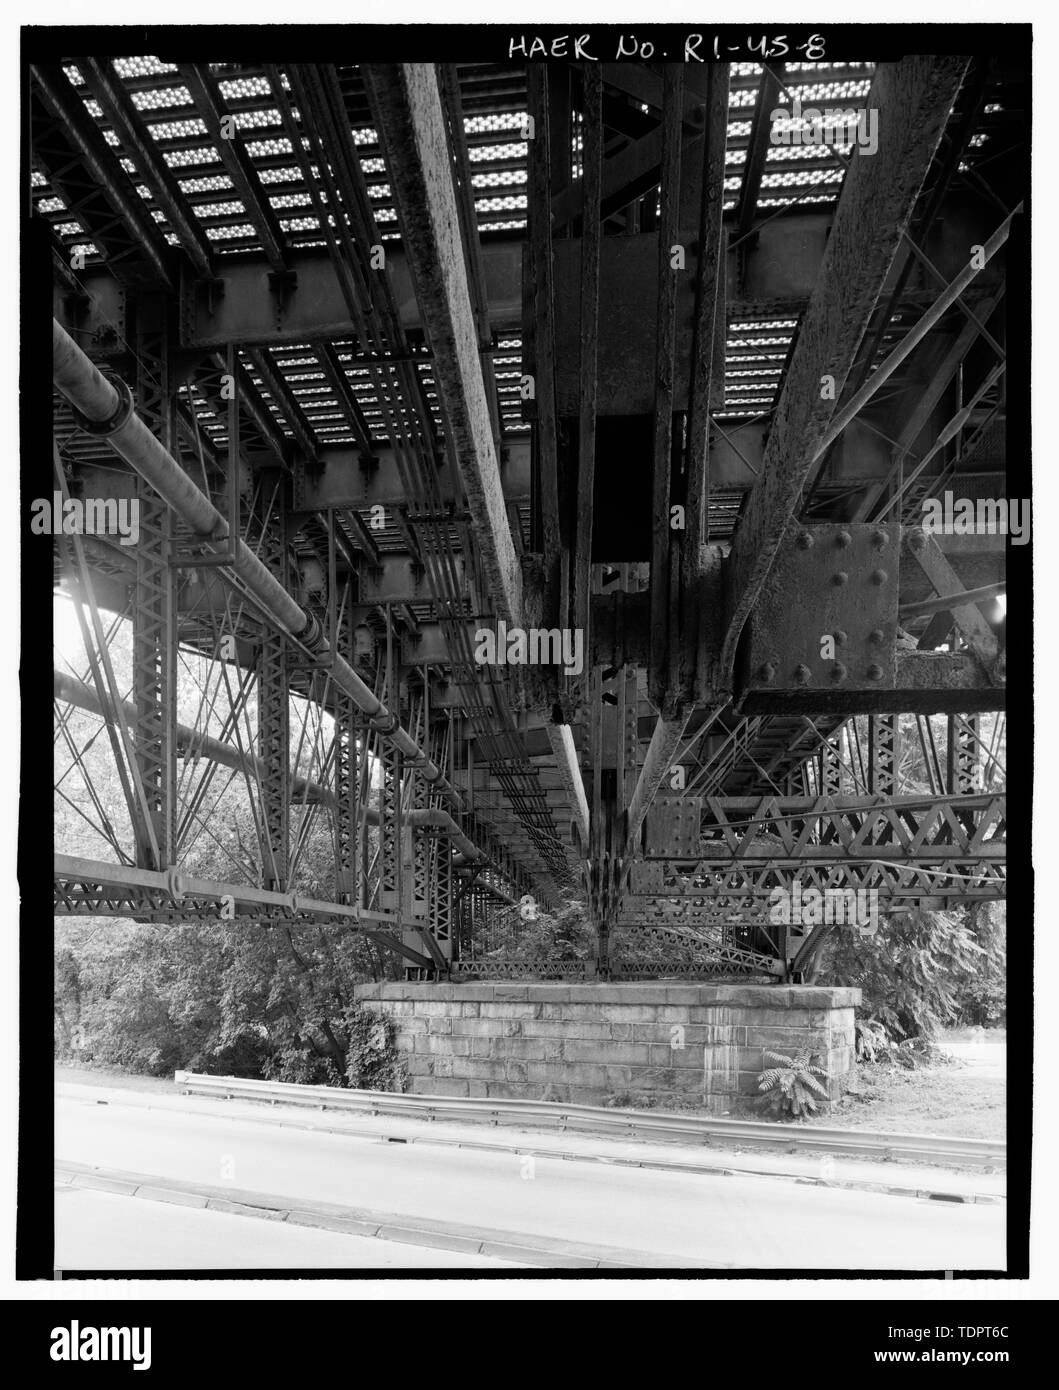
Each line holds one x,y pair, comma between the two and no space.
956,1099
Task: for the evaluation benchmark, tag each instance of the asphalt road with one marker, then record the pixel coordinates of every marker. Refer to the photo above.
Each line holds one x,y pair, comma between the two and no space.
684,1218
102,1230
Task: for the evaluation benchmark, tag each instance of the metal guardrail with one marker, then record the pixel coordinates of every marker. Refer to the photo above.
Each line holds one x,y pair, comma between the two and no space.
591,1119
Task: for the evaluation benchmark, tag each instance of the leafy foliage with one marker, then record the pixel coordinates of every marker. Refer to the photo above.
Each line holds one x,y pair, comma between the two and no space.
792,1087
628,946
373,1063
922,971
913,973
874,1043
982,999
560,936
221,999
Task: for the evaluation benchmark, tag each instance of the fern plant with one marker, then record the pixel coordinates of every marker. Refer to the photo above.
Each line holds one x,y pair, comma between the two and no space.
791,1087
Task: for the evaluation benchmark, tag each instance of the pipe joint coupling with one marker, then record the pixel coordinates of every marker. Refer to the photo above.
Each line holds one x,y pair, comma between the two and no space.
122,413
312,634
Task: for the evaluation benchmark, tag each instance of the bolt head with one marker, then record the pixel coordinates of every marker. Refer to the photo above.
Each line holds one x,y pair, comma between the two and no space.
802,673
841,638
767,671
876,635
843,540
879,538
917,538
838,672
875,671
840,577
805,541
879,576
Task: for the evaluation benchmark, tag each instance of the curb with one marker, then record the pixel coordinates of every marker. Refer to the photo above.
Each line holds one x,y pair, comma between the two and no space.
541,1251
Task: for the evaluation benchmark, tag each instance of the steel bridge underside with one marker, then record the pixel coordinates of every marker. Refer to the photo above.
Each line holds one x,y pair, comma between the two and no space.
392,355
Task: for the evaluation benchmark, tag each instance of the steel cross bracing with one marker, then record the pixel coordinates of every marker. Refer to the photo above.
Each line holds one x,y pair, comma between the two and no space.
781,828
414,444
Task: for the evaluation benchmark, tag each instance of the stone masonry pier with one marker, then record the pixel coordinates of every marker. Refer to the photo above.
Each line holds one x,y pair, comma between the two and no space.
650,1043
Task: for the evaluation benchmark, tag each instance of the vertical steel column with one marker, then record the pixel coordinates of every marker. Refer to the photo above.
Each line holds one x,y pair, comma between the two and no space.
796,783
831,765
591,235
546,532
598,861
471,946
664,571
487,909
417,844
630,738
154,645
442,914
468,945
348,755
962,761
884,751
440,878
420,842
390,818
273,706
371,800
418,847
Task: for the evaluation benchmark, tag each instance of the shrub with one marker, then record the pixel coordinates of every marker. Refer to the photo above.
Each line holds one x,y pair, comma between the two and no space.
874,1043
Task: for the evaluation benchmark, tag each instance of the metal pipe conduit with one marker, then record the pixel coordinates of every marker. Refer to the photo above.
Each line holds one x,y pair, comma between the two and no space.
439,820
109,412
